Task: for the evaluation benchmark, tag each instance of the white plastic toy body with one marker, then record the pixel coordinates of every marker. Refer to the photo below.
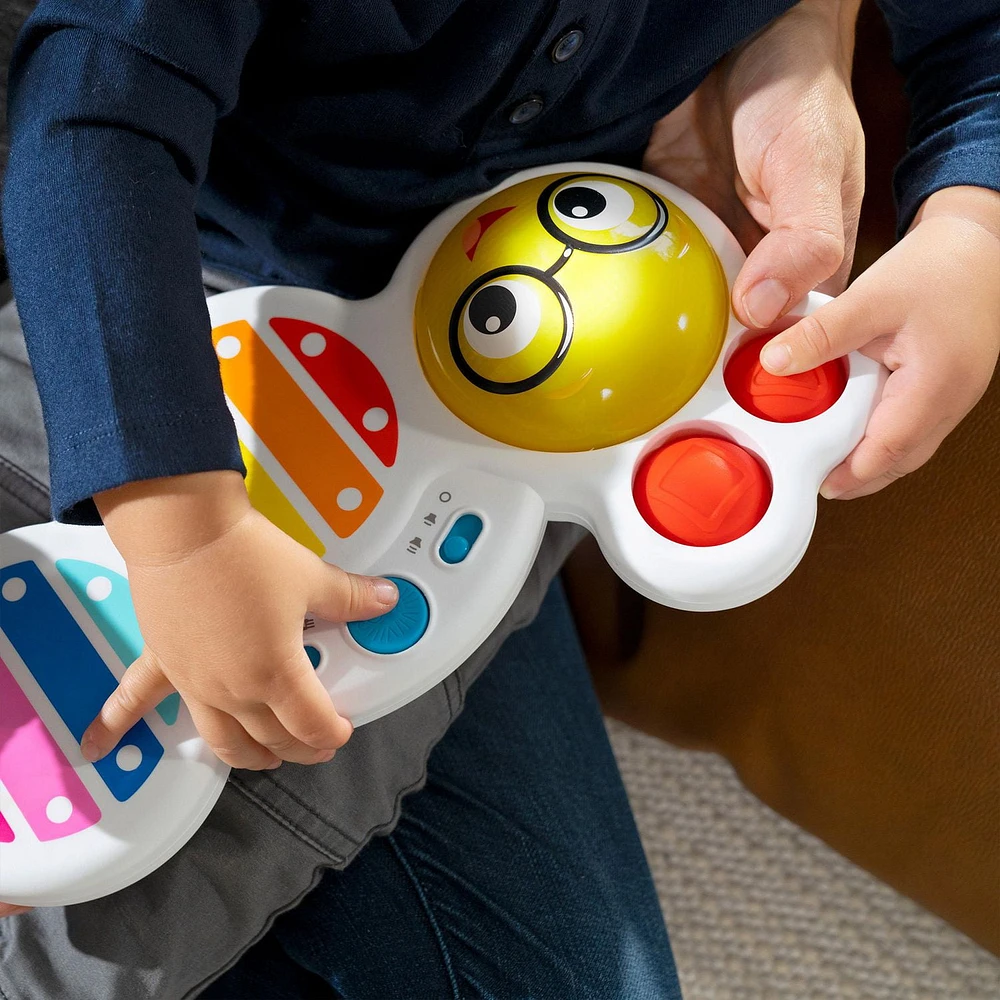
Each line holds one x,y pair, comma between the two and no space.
69,830
355,445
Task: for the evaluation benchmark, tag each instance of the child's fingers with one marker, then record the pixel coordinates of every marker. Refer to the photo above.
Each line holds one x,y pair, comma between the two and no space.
142,687
862,313
229,741
904,431
264,726
10,910
338,596
833,488
303,706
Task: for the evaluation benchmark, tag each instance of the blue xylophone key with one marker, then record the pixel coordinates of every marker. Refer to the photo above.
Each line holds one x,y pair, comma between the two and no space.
70,672
106,597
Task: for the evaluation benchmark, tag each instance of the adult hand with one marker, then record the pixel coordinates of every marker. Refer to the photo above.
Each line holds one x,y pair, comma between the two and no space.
772,143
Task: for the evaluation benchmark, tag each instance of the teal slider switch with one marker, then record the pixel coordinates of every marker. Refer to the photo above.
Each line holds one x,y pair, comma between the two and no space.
458,542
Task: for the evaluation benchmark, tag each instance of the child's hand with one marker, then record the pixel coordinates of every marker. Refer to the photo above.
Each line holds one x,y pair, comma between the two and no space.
221,595
929,310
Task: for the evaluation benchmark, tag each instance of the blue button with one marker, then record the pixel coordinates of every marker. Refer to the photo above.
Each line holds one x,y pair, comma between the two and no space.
460,539
314,656
397,629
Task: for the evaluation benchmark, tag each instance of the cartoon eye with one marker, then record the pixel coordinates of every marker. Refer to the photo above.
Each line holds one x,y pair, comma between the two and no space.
593,205
502,318
511,329
601,214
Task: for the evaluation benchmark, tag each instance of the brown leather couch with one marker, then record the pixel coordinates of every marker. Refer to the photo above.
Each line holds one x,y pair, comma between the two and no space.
861,699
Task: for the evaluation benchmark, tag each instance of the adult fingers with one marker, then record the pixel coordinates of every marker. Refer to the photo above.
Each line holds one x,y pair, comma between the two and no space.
852,192
805,243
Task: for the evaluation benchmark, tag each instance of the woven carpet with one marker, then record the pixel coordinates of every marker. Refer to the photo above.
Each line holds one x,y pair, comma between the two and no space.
759,910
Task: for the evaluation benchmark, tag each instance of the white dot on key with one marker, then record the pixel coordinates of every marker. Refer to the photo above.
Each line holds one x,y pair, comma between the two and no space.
99,588
14,589
228,347
128,757
349,498
59,809
313,344
375,419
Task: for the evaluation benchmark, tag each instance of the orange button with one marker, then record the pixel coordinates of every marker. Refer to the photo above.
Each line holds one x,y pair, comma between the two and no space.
701,490
782,398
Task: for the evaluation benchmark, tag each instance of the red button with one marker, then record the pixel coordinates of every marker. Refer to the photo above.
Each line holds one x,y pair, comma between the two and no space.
782,398
701,490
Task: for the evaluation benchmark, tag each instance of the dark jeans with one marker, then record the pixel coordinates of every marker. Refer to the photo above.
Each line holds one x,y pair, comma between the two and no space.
516,874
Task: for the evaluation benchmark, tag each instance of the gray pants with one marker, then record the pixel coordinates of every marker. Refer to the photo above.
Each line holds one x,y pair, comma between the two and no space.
270,836
24,464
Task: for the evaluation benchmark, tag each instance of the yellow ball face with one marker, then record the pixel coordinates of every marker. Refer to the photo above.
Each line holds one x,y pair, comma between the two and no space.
570,312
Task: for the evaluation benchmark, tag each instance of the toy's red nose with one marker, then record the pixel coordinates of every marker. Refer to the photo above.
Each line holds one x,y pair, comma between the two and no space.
474,231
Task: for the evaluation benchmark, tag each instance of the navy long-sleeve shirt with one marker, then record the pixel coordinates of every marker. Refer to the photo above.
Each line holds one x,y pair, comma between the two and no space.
308,141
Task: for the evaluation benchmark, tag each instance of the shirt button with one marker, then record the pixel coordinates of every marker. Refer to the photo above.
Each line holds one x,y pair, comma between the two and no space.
530,107
567,46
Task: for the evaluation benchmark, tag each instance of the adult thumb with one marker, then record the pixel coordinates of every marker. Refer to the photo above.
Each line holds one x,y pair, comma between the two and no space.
804,246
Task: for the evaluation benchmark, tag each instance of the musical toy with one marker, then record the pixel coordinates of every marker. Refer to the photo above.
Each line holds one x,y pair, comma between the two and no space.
560,349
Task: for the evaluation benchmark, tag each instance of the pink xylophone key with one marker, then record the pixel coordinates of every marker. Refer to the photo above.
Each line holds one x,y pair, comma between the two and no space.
38,777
